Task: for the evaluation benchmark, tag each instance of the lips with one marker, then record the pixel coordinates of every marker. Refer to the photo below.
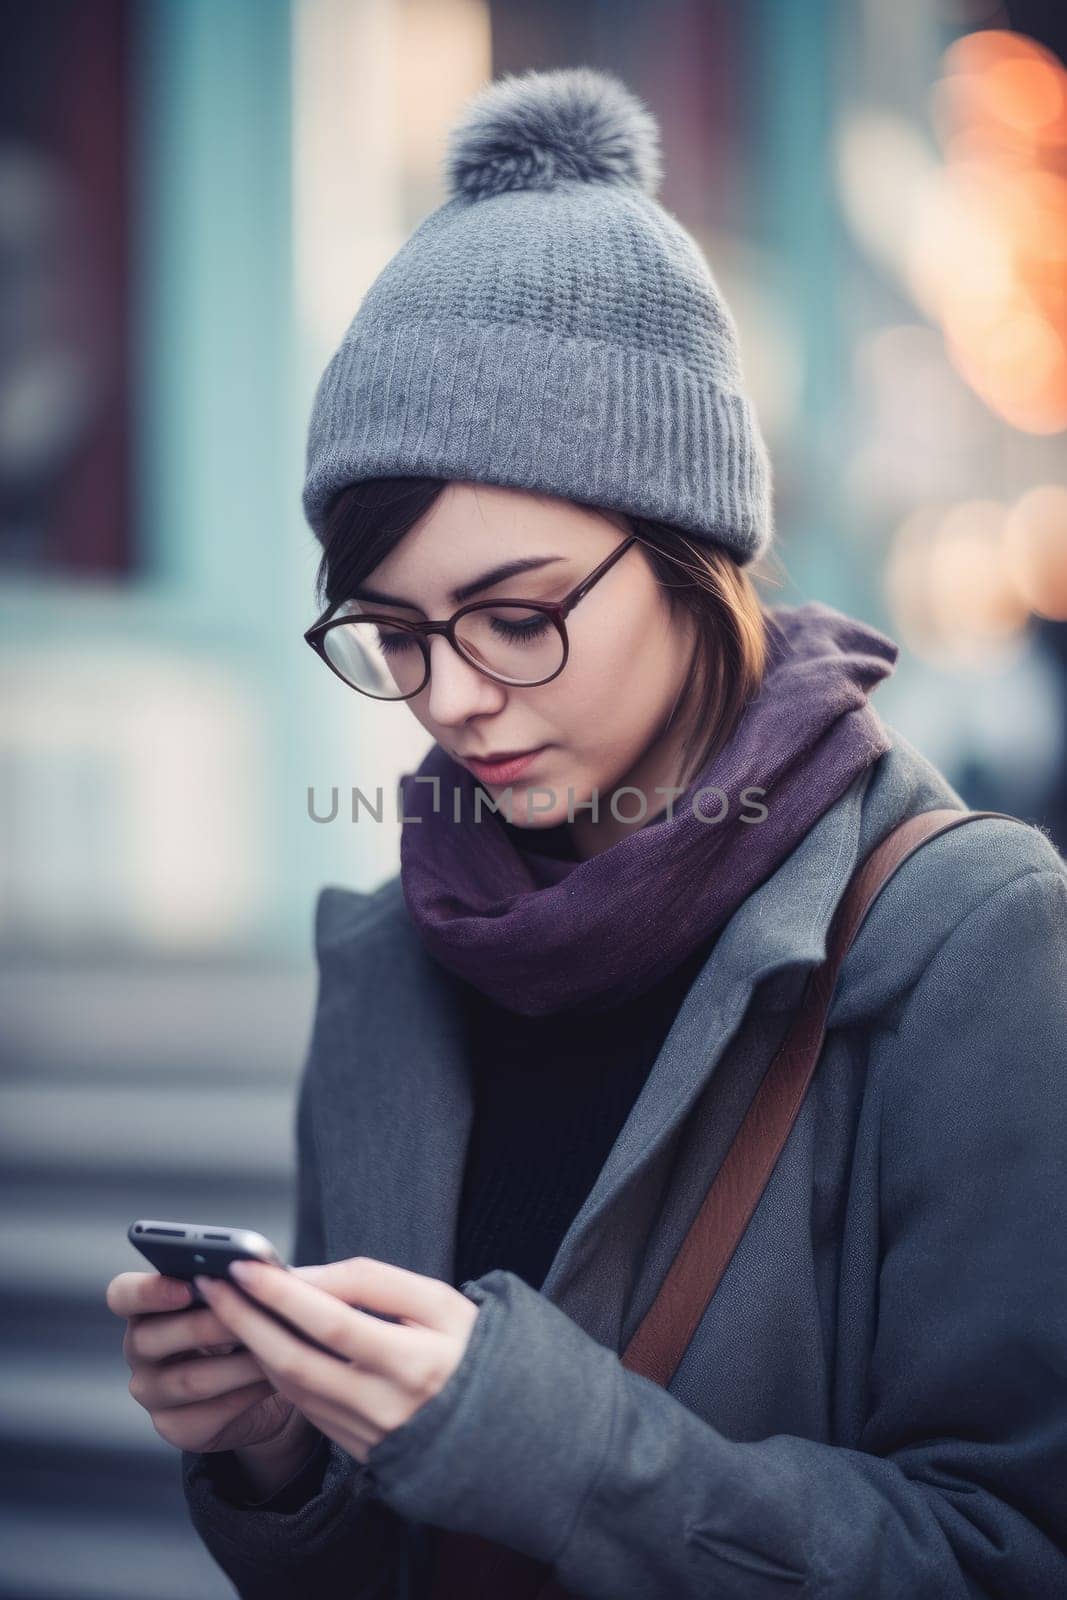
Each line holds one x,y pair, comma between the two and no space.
503,768
497,757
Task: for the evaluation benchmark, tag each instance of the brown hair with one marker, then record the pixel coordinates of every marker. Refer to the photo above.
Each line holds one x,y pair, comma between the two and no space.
366,520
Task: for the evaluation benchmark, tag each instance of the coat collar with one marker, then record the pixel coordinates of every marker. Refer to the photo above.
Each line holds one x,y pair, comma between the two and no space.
399,1104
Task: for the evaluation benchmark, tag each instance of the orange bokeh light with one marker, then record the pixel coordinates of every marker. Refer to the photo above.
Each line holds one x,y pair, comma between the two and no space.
962,580
1023,94
989,257
1035,542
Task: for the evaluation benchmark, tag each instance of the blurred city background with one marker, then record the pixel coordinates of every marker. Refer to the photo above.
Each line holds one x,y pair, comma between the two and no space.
194,195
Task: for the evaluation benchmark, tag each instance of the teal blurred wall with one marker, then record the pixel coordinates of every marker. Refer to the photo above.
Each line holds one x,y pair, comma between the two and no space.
169,720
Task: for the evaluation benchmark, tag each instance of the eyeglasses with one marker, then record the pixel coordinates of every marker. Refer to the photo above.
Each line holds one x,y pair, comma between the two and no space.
518,642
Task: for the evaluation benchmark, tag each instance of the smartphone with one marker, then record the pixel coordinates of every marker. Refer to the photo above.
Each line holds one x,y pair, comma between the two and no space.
204,1249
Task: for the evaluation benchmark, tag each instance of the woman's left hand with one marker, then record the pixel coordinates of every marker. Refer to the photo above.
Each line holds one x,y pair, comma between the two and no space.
387,1370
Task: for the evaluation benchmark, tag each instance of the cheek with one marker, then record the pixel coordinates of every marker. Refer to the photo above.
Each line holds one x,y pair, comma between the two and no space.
609,698
637,667
585,699
414,709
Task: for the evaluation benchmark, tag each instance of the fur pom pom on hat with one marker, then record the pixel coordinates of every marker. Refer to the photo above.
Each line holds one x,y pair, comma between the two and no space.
530,132
550,327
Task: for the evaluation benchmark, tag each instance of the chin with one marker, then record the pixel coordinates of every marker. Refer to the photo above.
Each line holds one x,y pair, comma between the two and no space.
538,820
523,796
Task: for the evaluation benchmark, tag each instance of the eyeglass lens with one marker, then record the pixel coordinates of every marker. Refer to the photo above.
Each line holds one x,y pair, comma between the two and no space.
514,642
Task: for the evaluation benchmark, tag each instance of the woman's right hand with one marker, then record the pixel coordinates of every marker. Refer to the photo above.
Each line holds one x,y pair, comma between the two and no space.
201,1392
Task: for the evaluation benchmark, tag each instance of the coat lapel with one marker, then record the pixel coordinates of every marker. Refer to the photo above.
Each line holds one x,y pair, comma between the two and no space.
394,1109
776,935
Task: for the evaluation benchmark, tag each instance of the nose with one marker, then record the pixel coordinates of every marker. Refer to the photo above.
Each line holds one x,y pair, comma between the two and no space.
457,690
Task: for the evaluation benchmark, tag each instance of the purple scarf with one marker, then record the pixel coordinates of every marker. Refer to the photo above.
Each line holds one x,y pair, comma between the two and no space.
542,932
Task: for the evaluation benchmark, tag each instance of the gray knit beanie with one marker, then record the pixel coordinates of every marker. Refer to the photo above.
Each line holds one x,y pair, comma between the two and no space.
550,327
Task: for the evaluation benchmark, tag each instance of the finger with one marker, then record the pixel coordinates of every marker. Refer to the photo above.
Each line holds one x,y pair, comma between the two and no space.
158,1338
131,1294
186,1382
284,1356
381,1286
326,1317
198,1425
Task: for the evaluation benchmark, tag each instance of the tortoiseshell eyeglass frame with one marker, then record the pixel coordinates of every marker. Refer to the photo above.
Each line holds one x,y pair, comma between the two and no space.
557,611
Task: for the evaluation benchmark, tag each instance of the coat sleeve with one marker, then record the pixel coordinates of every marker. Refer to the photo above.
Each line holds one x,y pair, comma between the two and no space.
325,1532
543,1440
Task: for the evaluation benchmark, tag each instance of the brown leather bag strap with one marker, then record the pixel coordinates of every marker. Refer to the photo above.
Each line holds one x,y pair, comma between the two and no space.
667,1327
664,1334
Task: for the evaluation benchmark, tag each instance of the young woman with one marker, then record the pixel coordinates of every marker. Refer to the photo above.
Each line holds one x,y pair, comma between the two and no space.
538,483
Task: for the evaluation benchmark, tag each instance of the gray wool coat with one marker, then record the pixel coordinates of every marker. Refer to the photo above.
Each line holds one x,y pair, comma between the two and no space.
875,1402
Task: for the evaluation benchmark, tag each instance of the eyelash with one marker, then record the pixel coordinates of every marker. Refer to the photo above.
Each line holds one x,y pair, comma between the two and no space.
514,633
522,633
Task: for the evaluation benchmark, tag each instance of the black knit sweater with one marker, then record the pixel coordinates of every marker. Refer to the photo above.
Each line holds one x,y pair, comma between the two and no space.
551,1095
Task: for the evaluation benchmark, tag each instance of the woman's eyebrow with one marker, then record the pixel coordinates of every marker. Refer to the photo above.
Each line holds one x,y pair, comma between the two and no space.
466,591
